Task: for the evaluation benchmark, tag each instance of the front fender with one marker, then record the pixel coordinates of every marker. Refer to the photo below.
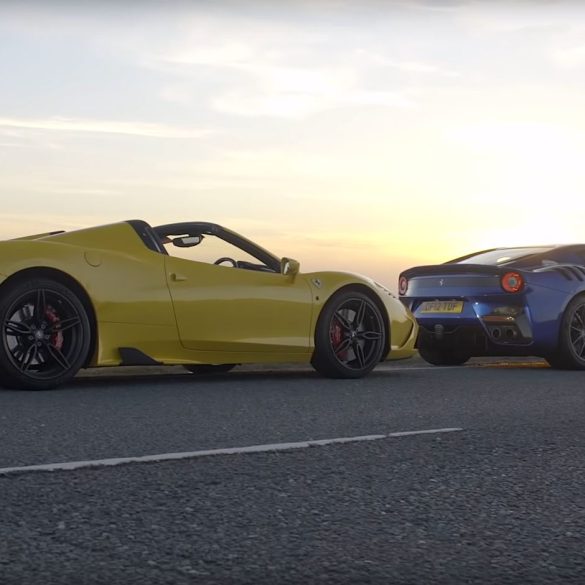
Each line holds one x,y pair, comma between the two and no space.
403,326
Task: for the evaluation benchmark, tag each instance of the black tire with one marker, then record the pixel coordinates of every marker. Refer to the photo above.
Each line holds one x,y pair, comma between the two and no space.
443,357
44,337
209,368
570,354
350,337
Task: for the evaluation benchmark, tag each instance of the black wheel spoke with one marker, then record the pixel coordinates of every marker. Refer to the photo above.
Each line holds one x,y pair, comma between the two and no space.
29,355
343,346
16,328
24,313
345,324
579,343
369,335
40,305
58,356
18,352
359,354
360,314
64,325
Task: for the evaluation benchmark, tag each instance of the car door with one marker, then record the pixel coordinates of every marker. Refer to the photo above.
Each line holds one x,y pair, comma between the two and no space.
224,308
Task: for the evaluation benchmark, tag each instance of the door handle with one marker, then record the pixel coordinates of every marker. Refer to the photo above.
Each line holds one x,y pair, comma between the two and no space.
177,277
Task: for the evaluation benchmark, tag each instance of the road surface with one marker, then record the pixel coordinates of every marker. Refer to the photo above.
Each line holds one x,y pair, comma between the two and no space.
413,475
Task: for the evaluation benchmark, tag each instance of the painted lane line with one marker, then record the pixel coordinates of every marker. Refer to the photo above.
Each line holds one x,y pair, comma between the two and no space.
74,465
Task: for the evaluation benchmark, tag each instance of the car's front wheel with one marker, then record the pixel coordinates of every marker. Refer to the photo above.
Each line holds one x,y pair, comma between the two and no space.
350,336
45,335
570,354
443,357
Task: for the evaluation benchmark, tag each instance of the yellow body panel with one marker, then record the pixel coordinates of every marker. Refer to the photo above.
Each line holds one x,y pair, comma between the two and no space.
261,311
178,311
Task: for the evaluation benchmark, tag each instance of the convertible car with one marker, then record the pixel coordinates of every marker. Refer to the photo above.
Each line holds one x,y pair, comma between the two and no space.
501,302
194,294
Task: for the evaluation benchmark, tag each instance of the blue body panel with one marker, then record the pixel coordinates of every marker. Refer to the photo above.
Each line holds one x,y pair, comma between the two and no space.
493,321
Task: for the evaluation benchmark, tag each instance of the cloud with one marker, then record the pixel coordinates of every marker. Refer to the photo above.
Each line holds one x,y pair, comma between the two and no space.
146,129
21,224
271,69
256,59
377,59
569,57
293,92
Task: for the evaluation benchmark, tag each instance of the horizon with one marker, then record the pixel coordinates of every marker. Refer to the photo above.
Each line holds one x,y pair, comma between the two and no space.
365,137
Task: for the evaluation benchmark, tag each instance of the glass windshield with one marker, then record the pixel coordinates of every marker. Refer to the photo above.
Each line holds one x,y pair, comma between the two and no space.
503,256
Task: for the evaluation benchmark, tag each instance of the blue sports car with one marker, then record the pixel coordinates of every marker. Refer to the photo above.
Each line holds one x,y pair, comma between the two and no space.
501,302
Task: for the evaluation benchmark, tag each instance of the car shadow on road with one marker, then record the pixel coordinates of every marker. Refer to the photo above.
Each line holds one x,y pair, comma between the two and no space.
236,377
156,376
110,381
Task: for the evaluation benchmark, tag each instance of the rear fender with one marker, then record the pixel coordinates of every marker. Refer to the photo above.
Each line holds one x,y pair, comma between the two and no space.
547,307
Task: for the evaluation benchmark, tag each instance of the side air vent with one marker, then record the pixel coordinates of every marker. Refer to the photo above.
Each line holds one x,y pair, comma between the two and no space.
576,272
569,272
564,272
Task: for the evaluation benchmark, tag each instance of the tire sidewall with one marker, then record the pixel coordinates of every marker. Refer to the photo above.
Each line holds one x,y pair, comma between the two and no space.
566,350
12,377
325,360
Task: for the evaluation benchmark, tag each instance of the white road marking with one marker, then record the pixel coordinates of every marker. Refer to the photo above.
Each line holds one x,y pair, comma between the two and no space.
73,465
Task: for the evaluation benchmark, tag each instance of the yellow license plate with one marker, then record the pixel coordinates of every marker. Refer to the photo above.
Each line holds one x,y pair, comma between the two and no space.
441,307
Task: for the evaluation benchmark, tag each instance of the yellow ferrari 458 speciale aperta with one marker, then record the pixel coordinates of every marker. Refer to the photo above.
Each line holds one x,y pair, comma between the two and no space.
189,293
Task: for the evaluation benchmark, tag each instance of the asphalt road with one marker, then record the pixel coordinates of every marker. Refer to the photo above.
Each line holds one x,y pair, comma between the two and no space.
500,501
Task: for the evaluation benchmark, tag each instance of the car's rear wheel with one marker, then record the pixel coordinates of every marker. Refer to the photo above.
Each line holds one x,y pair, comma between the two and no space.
45,334
443,357
209,368
350,336
570,354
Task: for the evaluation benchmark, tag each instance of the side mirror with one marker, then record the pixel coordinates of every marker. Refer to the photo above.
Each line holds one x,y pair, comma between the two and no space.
289,267
187,241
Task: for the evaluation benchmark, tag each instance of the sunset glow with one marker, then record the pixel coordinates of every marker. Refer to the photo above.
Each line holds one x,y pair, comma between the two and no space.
362,136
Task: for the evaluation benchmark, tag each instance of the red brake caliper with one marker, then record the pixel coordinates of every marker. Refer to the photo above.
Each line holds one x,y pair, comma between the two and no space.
53,319
336,334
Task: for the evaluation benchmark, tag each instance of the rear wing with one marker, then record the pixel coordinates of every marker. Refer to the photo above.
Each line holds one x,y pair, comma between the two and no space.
446,269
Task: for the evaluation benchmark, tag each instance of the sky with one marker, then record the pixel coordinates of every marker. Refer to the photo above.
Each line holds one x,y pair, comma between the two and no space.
367,136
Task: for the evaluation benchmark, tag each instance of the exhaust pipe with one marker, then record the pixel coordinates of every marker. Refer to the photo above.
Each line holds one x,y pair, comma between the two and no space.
510,332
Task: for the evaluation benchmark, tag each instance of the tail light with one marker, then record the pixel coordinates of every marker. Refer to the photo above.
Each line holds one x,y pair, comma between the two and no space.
512,282
402,285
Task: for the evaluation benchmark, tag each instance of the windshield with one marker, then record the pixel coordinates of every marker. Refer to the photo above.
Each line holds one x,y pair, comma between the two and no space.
502,256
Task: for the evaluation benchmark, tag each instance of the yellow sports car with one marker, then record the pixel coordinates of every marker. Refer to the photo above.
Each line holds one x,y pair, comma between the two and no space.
190,293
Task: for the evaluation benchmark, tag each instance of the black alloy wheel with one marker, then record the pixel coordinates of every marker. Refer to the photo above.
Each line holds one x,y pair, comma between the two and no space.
570,354
204,369
350,336
45,335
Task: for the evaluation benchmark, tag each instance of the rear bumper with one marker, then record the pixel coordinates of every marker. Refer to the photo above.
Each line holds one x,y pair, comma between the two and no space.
496,325
473,339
